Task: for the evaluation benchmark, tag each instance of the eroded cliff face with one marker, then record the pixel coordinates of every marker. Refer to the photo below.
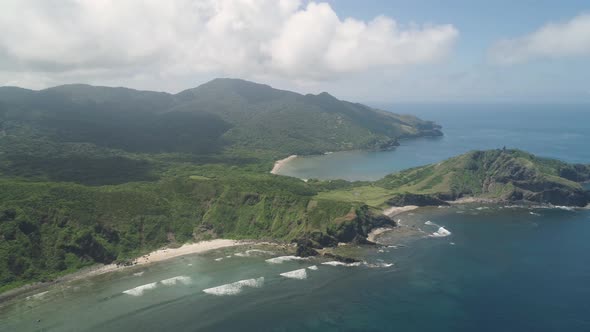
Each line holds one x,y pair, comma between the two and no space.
352,228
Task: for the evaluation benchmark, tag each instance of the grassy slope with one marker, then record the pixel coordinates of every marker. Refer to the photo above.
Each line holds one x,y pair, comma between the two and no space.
489,174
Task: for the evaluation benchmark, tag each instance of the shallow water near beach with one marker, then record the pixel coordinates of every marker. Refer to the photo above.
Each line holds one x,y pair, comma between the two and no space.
499,268
464,268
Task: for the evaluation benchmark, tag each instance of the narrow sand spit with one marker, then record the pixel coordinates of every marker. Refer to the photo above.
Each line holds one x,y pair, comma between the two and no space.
280,163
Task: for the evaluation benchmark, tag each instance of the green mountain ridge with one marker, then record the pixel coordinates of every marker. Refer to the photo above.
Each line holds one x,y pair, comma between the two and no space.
227,113
501,175
99,175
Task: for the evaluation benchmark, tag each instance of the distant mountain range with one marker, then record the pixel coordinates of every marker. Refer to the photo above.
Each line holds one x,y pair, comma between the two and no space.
220,114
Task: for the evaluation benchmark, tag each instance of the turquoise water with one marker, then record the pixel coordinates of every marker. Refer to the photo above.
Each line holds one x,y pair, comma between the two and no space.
558,131
501,268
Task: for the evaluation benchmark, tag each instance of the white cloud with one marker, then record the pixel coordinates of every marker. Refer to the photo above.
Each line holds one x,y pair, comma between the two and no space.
90,39
553,40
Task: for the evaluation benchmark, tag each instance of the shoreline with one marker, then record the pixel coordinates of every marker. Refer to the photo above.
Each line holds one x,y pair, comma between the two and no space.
159,255
393,211
390,212
281,163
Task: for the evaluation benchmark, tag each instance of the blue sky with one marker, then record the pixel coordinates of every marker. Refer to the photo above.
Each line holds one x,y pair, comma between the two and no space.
481,24
369,51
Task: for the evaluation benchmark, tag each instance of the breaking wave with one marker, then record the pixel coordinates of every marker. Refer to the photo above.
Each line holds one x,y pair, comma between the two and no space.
138,274
296,274
36,296
235,287
139,290
173,281
313,267
281,259
249,253
378,265
566,208
442,232
337,263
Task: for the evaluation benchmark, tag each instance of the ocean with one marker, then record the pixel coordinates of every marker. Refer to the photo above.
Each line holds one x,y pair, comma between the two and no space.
475,267
557,131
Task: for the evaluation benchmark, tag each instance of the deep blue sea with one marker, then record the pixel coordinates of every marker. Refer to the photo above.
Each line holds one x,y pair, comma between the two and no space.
501,268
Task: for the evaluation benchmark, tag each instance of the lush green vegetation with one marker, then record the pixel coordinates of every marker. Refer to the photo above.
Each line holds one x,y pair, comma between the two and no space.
98,175
220,114
50,228
95,174
496,174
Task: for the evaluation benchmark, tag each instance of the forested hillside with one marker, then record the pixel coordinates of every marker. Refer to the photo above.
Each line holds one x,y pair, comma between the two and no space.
96,175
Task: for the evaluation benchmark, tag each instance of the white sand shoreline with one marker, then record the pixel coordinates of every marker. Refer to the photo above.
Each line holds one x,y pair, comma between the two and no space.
166,254
281,163
153,257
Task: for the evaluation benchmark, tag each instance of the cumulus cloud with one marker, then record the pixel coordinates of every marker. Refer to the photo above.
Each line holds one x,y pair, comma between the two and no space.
553,40
276,38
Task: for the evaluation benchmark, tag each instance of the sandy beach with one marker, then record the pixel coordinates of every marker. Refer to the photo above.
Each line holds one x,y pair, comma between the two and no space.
168,253
391,212
153,257
280,163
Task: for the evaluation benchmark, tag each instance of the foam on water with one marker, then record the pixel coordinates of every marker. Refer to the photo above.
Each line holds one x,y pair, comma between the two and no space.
138,274
430,223
36,296
218,259
281,259
378,265
442,232
313,267
249,253
337,263
174,280
139,290
235,288
296,274
566,208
